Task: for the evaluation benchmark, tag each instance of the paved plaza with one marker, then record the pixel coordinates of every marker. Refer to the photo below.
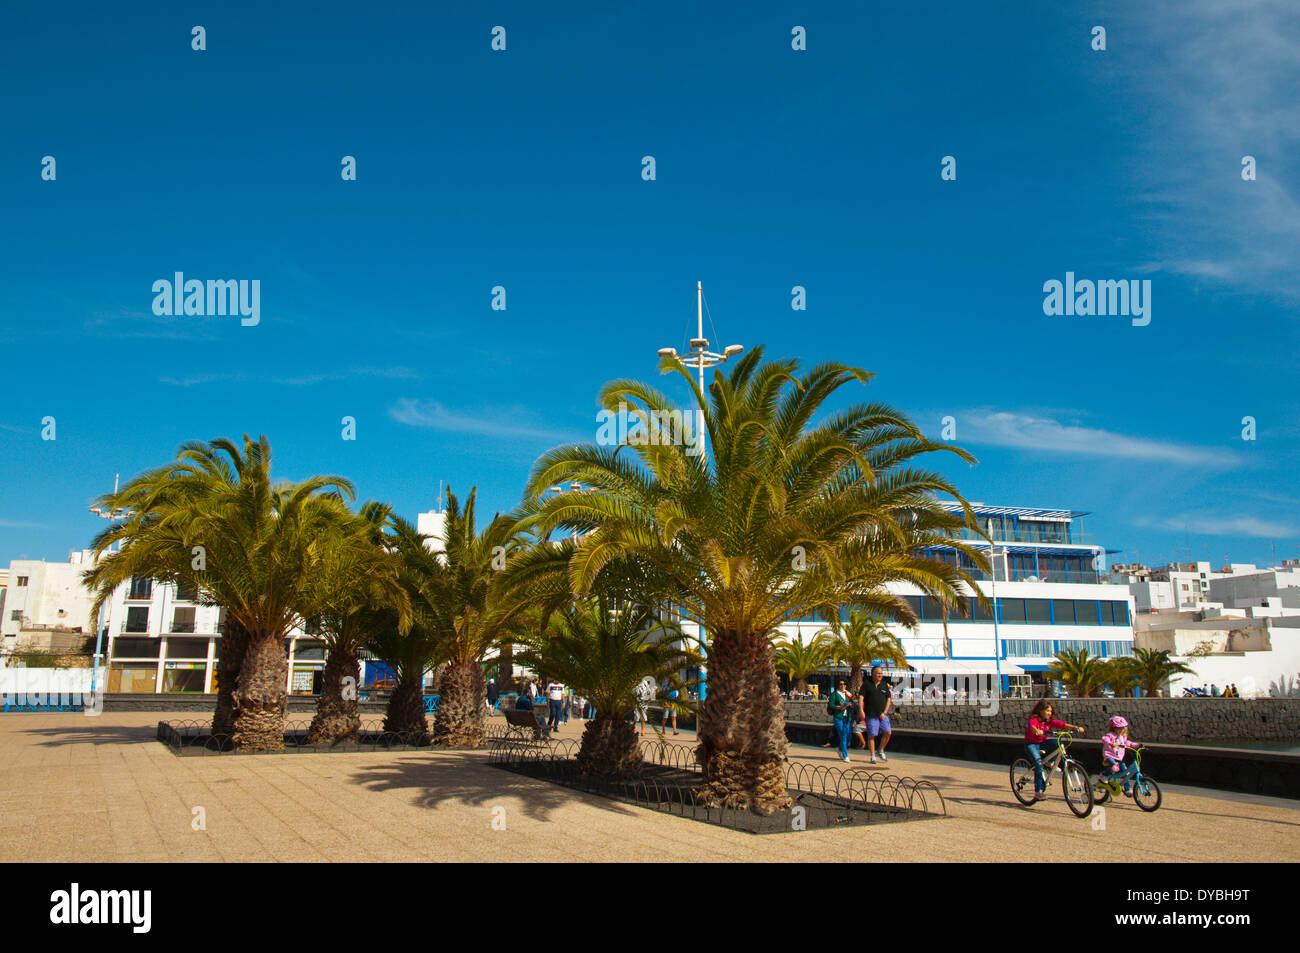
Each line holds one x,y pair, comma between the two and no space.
80,788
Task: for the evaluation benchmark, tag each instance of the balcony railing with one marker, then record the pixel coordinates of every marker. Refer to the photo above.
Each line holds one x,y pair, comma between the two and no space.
1043,575
1067,538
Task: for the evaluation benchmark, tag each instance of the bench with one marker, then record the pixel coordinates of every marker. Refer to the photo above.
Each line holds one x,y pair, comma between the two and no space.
525,725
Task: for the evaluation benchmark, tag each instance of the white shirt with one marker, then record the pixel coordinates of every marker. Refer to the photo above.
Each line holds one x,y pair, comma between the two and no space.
555,692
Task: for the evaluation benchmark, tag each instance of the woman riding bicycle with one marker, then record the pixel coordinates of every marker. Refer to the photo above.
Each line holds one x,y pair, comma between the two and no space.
1037,744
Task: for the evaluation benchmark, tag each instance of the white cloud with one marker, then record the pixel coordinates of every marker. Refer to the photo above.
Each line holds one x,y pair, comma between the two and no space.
1211,525
1225,85
1043,433
307,380
431,415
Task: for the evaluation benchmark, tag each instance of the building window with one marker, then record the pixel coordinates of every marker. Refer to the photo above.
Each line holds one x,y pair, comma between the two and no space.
136,648
137,619
183,619
1028,648
1037,611
187,648
186,592
1063,611
22,581
1085,613
914,603
309,651
132,678
187,677
16,615
1013,610
140,588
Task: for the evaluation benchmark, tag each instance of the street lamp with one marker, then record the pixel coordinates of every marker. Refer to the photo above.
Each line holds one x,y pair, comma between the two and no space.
993,596
700,357
112,516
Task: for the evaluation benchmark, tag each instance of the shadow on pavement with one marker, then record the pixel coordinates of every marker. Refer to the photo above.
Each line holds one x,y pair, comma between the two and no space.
443,779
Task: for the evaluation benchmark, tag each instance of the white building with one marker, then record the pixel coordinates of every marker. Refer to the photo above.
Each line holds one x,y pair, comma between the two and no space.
1052,593
158,638
45,599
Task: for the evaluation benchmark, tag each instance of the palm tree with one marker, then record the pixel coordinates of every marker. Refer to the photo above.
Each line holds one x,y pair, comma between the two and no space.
777,519
213,519
1152,669
463,606
864,639
1076,668
409,653
1120,674
799,660
356,578
604,655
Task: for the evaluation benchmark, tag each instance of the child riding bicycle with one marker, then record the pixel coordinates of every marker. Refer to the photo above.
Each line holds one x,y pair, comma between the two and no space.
1037,744
1113,745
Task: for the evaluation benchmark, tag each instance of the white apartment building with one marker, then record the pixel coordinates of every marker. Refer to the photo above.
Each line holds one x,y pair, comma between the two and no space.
158,638
45,598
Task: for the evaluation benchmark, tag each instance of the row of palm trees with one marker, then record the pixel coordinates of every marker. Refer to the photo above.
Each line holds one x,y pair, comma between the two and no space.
789,513
1146,669
859,641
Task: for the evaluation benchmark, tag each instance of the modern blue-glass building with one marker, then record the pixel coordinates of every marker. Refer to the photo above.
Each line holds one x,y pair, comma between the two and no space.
1050,583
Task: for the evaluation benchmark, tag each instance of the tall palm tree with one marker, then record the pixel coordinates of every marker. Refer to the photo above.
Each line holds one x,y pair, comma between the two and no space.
604,655
355,578
213,519
1153,669
861,640
460,601
1076,668
799,659
777,518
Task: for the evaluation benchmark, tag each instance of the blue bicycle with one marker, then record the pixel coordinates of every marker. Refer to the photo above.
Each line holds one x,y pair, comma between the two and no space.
1146,793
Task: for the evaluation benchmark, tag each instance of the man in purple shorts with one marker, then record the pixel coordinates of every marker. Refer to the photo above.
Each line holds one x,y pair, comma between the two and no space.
877,702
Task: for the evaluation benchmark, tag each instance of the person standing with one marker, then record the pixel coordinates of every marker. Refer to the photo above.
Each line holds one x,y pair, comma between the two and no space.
644,692
670,707
555,699
841,708
493,693
876,701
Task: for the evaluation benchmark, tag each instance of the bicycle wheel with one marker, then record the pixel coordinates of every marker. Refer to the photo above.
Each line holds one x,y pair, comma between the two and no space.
1077,789
1022,781
1100,791
1146,794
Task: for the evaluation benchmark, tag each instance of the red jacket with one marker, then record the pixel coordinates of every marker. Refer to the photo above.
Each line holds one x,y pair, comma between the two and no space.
1036,733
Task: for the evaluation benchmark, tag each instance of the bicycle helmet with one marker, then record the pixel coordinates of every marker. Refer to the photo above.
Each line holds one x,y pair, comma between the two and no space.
1118,722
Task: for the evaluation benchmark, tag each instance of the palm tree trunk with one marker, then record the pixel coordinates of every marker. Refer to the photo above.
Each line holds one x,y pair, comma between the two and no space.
406,706
610,749
742,727
459,721
337,716
261,697
234,643
855,679
506,667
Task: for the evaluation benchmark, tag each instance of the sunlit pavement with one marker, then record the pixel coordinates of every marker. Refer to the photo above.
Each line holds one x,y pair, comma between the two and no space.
79,788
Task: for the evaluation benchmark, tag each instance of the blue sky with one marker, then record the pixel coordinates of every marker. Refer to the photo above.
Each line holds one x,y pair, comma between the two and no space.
775,168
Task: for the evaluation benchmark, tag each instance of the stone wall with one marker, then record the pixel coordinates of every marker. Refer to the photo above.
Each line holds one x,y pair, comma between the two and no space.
1157,720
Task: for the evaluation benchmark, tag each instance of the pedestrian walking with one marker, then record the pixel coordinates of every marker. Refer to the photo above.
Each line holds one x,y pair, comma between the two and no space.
876,701
555,699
